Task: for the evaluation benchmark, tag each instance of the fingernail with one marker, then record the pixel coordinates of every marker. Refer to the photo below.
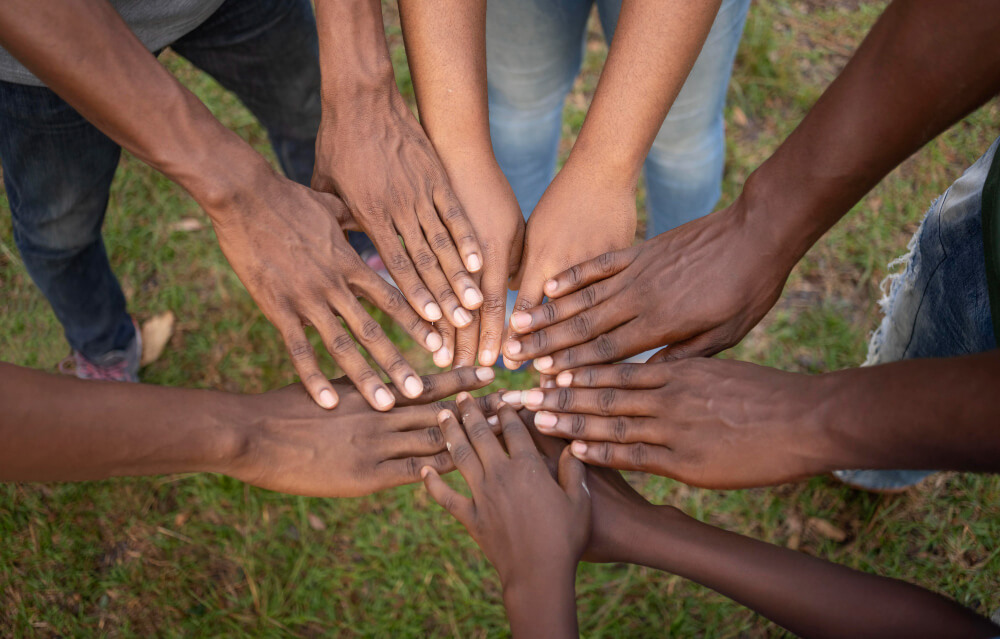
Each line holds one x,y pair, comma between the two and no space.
426,470
512,397
520,320
485,374
472,297
543,363
532,398
493,419
486,358
549,383
463,397
551,286
413,386
442,358
545,420
383,398
444,415
326,398
433,311
513,347
578,448
474,262
462,317
434,342
564,379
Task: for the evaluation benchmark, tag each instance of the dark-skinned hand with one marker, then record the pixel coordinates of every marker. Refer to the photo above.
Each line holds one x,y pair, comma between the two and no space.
706,422
288,248
698,288
382,165
295,447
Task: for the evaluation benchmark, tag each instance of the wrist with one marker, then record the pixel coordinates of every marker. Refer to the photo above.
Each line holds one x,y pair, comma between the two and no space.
354,56
592,168
221,188
541,602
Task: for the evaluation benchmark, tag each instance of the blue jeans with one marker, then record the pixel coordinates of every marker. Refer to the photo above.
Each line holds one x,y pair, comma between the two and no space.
938,305
534,52
58,168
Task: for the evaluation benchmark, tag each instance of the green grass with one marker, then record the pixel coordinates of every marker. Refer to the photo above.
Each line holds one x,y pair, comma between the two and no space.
204,555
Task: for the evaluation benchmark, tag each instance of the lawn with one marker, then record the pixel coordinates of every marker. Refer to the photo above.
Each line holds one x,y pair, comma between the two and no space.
203,555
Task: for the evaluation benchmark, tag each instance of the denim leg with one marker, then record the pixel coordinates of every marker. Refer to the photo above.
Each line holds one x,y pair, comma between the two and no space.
684,167
534,49
938,305
267,53
57,170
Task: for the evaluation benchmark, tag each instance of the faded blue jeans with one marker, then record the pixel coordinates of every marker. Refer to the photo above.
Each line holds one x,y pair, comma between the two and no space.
938,304
534,52
58,168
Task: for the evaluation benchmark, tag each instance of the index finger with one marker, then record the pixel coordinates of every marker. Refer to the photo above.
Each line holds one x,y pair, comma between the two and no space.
601,267
304,360
515,434
480,434
462,452
454,217
447,384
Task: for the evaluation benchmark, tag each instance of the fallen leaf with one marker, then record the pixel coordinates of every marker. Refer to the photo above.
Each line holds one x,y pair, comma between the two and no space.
187,225
156,332
825,529
315,522
180,519
740,118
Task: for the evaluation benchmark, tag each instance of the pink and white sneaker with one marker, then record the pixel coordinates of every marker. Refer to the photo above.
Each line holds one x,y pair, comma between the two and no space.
116,366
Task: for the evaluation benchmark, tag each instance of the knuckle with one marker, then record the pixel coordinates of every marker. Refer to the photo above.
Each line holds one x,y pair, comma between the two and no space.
626,374
581,325
412,467
441,241
619,429
604,455
589,297
639,456
574,274
434,436
394,301
453,213
493,304
442,459
341,344
564,400
370,330
605,347
540,341
606,401
396,365
606,262
549,312
461,453
399,261
577,425
424,260
300,350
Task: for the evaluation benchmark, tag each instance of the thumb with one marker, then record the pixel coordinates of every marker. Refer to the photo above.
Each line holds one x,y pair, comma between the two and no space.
573,478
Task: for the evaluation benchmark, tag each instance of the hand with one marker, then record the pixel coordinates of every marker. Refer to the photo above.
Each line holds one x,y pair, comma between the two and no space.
706,422
526,522
294,447
617,509
578,218
496,217
286,245
699,288
377,158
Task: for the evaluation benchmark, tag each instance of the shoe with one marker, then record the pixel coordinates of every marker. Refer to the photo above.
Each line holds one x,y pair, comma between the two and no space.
116,366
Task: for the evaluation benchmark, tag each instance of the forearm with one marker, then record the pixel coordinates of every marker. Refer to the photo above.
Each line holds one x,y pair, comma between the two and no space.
655,46
85,52
920,413
57,428
354,59
923,66
808,596
446,50
543,604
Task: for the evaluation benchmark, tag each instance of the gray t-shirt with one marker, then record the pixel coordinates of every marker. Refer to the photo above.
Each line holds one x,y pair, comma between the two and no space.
156,23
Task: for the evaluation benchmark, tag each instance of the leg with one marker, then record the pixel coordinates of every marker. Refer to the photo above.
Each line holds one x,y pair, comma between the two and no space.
938,306
267,53
57,170
684,167
534,49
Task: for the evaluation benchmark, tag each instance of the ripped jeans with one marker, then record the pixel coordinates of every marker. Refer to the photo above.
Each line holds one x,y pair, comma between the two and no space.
938,304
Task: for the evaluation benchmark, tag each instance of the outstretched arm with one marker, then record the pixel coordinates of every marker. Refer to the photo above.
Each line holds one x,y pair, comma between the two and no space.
285,241
446,50
728,424
57,428
923,66
806,595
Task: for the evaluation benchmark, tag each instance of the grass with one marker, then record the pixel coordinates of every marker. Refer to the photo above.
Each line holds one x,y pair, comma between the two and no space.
202,555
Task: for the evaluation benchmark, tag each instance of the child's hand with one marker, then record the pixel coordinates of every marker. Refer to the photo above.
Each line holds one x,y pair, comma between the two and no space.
530,526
